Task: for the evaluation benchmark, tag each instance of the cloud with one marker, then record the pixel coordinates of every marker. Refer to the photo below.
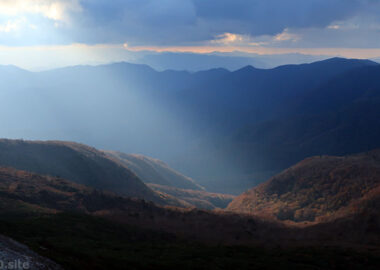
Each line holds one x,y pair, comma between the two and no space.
186,22
36,22
228,38
174,22
287,36
334,26
52,9
11,25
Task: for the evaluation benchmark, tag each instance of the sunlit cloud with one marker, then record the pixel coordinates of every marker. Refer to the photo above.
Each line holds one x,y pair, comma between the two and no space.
334,26
287,36
52,9
258,44
351,24
228,38
11,25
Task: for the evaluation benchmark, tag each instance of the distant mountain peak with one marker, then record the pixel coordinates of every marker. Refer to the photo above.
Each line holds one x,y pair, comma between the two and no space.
248,68
341,60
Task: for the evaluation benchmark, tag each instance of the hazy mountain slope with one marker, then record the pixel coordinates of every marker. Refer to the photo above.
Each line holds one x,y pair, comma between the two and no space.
276,144
250,94
12,77
318,188
154,171
343,89
77,162
262,128
198,198
340,117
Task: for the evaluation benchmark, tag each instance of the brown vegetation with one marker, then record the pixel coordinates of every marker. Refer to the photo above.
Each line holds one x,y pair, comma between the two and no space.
196,198
78,163
317,189
25,193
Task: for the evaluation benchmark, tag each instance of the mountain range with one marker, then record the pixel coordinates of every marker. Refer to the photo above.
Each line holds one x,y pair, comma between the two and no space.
228,130
311,129
231,61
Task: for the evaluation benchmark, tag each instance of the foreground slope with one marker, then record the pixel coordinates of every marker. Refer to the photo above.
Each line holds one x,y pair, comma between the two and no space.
317,189
79,163
82,228
26,194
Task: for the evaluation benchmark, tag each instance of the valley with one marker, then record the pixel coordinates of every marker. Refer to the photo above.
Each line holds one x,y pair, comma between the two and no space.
192,134
310,166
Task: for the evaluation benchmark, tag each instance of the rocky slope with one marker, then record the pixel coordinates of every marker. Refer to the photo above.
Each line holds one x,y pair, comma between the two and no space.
14,255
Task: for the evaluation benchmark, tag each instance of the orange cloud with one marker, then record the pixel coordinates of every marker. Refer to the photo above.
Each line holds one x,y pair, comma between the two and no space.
228,38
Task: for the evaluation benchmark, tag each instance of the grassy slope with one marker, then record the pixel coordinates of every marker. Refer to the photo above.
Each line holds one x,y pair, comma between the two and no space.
79,163
316,189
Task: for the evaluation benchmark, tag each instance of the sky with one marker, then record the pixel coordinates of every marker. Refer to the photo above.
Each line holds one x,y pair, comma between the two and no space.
38,34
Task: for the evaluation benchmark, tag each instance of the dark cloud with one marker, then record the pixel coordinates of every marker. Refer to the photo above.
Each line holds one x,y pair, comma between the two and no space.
187,22
135,21
175,21
272,16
